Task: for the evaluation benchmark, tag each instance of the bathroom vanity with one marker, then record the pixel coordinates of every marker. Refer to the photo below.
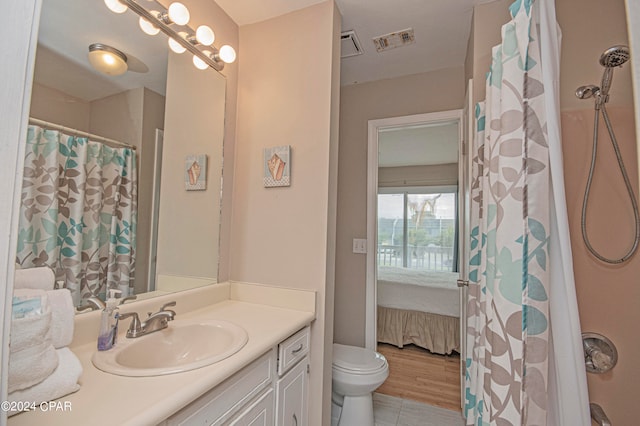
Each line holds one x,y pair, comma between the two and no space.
264,383
275,383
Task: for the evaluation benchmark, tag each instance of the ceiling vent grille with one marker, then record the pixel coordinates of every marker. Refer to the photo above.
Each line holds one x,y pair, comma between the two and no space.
393,40
350,45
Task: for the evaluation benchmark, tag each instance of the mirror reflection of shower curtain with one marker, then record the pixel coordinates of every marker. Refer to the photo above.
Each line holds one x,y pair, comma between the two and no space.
78,212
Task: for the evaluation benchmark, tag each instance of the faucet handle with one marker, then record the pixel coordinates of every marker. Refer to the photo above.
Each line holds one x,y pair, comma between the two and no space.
135,327
166,305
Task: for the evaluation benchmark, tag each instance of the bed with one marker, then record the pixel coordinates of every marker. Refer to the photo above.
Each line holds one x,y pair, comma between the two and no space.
420,308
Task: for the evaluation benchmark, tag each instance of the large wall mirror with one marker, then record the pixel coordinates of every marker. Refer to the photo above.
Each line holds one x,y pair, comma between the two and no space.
138,210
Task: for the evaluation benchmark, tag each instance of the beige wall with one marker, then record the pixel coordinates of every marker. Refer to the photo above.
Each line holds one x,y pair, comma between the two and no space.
188,227
607,295
119,116
54,106
282,236
487,24
205,238
414,94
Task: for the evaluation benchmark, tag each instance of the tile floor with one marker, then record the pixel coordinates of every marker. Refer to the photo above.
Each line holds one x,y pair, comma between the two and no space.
392,411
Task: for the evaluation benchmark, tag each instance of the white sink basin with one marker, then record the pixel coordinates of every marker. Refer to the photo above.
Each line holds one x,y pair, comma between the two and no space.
183,346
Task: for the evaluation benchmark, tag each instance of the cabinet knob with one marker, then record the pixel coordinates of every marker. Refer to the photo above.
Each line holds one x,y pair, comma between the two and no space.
295,420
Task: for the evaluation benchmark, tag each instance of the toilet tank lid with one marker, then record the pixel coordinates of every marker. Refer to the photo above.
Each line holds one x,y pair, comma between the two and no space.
357,359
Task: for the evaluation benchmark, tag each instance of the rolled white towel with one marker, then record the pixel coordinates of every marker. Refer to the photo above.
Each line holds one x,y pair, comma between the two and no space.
41,278
31,318
63,381
62,317
32,365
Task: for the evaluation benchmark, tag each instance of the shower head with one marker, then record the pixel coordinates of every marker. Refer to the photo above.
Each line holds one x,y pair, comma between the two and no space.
614,56
585,92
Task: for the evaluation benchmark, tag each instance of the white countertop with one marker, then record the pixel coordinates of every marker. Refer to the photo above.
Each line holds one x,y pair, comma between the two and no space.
107,399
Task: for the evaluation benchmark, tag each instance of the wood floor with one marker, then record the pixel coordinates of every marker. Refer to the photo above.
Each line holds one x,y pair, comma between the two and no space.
419,375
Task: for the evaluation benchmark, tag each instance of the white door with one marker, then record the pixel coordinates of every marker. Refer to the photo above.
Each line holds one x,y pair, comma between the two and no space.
464,200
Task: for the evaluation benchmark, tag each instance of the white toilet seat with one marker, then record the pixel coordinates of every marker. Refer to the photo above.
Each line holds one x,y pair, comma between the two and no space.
355,360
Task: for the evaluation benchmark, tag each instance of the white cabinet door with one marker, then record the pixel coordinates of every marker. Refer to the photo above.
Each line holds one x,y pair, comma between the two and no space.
292,390
260,413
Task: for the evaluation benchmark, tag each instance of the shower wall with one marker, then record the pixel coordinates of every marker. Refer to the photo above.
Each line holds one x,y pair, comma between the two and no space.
607,295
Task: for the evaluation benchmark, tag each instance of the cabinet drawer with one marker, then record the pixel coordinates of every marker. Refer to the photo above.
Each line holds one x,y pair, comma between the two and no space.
219,404
260,413
293,350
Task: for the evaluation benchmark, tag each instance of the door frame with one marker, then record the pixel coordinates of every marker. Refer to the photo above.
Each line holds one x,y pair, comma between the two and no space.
374,126
18,38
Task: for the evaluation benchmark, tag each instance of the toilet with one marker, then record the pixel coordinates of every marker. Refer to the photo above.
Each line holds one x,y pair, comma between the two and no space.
356,373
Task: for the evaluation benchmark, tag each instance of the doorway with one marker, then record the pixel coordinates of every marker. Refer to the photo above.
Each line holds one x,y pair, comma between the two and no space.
415,223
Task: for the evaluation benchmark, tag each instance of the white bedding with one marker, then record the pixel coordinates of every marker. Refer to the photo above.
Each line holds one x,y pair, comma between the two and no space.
410,289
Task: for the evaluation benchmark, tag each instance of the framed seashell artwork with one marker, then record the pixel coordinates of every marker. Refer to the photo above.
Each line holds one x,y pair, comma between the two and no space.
195,172
277,166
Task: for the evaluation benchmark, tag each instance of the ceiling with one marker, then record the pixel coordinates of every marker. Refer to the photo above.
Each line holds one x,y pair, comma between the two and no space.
66,31
441,29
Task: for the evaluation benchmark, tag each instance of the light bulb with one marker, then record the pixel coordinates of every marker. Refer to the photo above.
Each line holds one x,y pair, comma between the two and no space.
205,35
175,46
227,54
116,6
147,26
107,59
178,13
199,63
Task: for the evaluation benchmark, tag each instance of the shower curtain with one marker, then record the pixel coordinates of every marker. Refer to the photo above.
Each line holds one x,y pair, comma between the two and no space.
524,355
78,212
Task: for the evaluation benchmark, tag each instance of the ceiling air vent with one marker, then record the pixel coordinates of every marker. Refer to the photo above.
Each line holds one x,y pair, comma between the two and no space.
350,46
393,40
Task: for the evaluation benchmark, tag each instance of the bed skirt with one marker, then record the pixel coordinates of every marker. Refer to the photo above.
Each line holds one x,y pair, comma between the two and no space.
437,333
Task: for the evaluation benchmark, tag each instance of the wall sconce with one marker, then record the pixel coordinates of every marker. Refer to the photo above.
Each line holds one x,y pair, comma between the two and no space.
152,22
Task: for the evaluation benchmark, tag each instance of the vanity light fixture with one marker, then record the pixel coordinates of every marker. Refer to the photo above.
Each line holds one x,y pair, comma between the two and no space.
107,59
175,46
147,27
152,22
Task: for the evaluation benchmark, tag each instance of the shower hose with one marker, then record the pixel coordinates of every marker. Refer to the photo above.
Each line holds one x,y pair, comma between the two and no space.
627,183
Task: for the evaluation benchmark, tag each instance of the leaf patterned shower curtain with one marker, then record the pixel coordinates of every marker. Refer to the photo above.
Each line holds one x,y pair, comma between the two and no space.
78,212
508,306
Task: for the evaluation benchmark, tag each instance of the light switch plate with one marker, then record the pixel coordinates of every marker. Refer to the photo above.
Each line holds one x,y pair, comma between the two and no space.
359,245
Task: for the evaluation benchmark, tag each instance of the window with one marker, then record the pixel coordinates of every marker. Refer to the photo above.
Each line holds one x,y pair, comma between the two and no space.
417,228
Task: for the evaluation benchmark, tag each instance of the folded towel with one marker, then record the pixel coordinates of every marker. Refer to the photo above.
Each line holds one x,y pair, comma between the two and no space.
29,331
62,317
31,319
42,278
29,302
63,381
32,365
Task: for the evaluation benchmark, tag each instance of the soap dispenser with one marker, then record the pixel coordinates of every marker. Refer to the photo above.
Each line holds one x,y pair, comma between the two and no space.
109,322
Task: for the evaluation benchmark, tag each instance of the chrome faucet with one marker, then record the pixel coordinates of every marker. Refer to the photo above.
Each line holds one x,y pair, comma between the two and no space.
94,303
155,321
